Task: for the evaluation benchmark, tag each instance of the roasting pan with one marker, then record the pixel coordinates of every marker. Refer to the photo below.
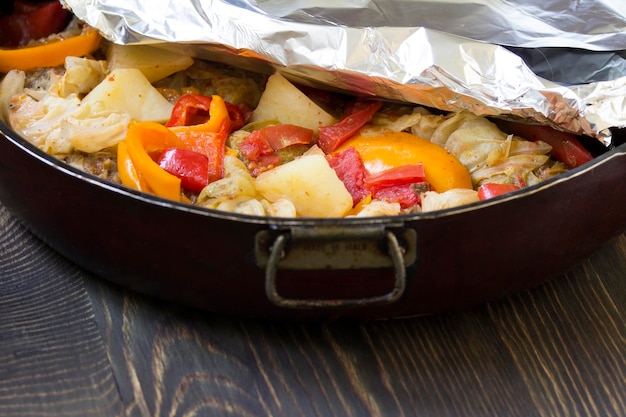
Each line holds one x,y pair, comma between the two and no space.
315,269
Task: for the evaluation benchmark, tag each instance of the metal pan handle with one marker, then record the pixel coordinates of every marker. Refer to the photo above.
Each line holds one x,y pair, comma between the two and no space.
335,248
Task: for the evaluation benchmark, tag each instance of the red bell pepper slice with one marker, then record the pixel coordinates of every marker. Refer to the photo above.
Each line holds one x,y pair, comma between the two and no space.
282,136
403,194
210,144
195,109
275,138
191,167
396,184
32,21
263,163
190,109
330,137
260,146
491,190
254,146
209,137
239,115
351,171
565,146
401,175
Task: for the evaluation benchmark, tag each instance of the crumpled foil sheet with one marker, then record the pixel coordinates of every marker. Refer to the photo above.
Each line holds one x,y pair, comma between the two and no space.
492,57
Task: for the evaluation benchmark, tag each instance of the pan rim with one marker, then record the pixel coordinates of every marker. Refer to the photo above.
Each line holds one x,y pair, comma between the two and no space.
55,163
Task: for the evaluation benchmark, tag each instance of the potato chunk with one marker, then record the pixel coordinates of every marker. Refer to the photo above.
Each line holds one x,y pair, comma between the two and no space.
154,62
283,101
127,90
310,184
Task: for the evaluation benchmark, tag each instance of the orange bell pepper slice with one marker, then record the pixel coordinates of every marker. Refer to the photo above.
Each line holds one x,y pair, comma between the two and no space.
140,170
50,54
128,174
145,141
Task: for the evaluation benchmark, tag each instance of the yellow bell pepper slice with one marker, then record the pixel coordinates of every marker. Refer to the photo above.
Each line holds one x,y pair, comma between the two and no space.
218,113
218,116
50,54
128,174
386,149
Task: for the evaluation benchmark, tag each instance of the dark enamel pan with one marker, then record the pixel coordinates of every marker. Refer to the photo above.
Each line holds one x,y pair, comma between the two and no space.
315,269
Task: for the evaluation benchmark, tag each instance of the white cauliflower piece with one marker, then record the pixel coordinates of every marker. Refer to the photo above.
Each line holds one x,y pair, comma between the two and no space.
11,85
58,125
426,125
58,121
478,143
250,207
489,154
230,205
517,166
379,208
81,76
236,193
40,121
279,208
432,200
237,182
93,129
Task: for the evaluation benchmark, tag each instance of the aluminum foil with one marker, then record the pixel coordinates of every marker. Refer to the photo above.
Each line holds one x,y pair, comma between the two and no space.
553,61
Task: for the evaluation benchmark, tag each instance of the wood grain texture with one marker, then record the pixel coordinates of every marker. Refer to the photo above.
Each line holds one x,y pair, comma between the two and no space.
52,360
72,344
557,350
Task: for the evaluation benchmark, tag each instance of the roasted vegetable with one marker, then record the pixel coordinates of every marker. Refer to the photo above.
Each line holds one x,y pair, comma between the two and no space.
298,153
283,101
154,63
310,184
153,153
50,53
382,149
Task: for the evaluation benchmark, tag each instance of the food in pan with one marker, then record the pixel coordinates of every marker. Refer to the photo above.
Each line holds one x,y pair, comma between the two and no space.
189,130
35,34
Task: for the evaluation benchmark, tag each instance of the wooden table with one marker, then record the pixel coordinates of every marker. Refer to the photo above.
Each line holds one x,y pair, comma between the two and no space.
72,344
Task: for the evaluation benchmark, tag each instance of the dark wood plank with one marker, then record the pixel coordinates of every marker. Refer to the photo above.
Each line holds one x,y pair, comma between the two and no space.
52,359
568,337
554,350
